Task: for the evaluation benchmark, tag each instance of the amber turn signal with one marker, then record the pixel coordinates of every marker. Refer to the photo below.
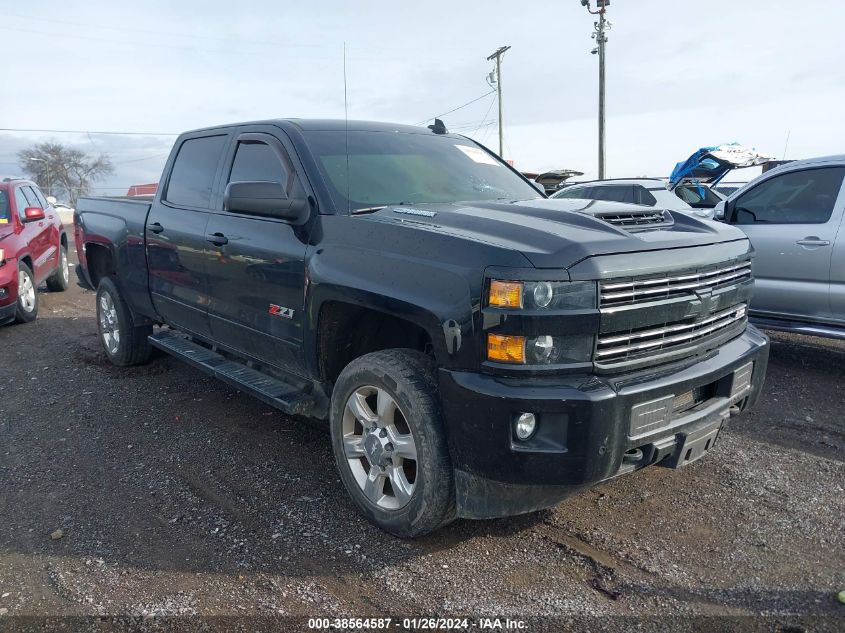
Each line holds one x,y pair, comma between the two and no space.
505,294
506,349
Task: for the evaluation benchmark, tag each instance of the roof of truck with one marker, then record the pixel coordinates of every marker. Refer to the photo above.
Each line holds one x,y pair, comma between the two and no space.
325,125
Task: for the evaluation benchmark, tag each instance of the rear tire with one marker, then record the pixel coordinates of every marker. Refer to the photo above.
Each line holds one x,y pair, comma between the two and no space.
124,343
27,304
389,442
60,279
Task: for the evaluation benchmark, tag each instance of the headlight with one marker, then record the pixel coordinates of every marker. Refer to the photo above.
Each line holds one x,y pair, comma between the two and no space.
540,350
542,295
2,257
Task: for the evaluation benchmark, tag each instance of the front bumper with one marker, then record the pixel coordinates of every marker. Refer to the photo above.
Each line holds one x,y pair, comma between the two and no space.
8,290
587,424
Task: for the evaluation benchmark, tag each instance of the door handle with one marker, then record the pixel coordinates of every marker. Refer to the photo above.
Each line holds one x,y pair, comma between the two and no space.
218,239
155,227
813,241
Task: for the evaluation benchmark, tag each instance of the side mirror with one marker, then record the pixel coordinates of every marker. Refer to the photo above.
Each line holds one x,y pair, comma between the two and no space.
264,198
539,187
31,214
51,199
719,210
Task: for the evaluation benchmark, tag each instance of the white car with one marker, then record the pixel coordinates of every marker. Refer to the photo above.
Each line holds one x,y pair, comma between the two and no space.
693,199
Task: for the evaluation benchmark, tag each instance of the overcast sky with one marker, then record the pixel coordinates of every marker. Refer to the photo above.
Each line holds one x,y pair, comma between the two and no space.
680,74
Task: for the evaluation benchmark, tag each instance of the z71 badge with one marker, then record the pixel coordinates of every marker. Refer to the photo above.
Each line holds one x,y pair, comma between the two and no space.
280,311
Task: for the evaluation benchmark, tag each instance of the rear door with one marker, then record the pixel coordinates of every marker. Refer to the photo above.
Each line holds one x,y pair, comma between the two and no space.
176,234
792,220
256,270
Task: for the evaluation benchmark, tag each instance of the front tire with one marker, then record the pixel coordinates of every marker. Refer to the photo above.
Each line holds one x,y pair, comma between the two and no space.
60,279
389,442
124,343
27,305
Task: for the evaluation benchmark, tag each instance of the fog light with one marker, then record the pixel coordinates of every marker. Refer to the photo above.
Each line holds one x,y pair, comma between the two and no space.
525,425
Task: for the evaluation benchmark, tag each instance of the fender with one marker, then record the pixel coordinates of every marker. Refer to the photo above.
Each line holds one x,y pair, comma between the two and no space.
128,255
437,299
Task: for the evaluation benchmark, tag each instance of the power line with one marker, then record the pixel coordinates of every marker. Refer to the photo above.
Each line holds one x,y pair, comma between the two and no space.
14,129
437,116
486,114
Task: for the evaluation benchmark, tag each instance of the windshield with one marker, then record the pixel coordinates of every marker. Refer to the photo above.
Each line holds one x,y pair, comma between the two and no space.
391,168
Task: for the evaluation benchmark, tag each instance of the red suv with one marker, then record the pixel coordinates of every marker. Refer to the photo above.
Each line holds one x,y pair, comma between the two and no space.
33,249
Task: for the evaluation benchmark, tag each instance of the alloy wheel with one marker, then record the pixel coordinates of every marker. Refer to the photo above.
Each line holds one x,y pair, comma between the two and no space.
379,447
109,325
26,291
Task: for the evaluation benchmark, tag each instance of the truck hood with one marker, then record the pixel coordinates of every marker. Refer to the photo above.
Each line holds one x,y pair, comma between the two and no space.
558,233
6,229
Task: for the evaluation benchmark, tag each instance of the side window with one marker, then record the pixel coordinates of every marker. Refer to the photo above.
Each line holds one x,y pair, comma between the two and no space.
798,197
614,193
41,199
5,216
255,160
574,192
31,199
643,196
192,176
20,202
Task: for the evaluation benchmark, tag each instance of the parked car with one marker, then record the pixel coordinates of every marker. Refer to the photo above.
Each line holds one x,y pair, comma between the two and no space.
33,250
793,216
477,349
695,179
650,192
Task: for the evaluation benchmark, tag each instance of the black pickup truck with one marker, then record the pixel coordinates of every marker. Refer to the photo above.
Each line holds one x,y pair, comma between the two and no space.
477,349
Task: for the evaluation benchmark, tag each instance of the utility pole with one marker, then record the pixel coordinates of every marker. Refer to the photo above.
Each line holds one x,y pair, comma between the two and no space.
600,35
497,55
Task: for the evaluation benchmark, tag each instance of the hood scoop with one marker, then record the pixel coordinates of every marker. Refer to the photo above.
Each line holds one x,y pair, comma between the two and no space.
637,220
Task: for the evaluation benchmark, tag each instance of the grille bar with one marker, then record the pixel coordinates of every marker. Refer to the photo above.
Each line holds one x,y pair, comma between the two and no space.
641,290
622,346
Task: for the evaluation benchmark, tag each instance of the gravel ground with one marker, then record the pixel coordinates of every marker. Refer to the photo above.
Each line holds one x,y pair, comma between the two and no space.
156,491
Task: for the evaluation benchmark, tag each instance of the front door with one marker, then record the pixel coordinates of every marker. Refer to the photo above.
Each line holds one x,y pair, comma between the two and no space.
41,247
256,270
176,235
792,220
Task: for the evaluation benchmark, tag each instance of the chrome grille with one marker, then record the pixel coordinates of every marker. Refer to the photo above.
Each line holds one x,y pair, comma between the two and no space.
643,289
619,346
635,219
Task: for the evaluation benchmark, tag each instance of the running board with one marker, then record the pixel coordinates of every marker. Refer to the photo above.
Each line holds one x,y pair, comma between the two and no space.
798,327
276,393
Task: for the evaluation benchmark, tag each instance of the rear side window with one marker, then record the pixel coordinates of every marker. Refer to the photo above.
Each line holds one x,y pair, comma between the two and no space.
41,199
614,193
798,197
192,176
255,160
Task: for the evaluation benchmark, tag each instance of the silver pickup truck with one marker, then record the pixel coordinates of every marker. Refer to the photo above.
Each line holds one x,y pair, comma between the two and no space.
793,216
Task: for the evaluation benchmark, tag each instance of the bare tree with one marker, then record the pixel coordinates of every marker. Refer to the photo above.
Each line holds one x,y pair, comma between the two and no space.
59,169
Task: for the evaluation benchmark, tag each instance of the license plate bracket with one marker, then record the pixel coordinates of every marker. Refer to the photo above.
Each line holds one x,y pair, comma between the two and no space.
693,443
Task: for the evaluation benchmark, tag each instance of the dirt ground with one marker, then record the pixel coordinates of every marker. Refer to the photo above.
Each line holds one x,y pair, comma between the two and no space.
178,496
